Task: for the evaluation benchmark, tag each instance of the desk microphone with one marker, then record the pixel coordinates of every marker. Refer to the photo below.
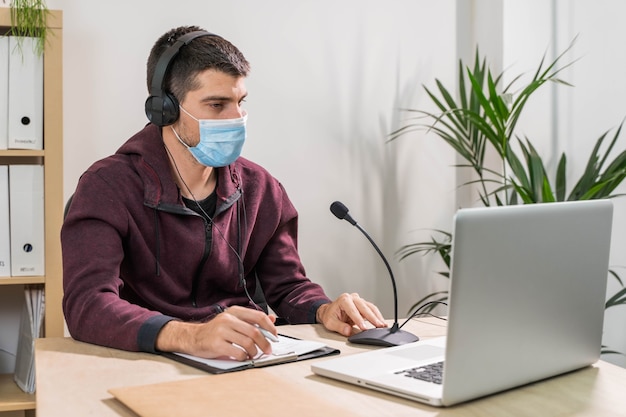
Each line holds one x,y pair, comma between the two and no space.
380,337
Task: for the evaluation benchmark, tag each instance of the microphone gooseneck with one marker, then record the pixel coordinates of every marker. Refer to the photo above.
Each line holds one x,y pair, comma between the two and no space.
379,337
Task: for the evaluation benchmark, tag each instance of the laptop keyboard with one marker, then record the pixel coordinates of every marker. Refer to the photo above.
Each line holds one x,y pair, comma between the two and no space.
429,373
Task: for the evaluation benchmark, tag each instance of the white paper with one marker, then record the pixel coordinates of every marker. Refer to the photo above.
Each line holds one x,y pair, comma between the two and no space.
30,329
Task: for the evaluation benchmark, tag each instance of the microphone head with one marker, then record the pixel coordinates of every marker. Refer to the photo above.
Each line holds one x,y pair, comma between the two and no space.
339,210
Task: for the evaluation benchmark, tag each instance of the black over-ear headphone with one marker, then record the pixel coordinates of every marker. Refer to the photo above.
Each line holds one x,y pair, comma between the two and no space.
162,106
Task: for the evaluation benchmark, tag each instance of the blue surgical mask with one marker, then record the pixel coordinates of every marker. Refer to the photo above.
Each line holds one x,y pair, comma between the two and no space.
221,140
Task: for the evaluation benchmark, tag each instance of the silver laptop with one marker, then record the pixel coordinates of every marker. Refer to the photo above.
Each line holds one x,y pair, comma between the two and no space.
527,292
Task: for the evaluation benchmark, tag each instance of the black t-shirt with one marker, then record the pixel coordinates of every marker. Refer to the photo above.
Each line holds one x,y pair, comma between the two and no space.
205,208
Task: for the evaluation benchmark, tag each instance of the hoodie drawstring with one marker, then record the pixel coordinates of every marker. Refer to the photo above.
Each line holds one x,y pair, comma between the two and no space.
157,243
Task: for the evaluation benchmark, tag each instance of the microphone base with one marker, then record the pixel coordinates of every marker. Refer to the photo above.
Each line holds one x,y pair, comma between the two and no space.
383,337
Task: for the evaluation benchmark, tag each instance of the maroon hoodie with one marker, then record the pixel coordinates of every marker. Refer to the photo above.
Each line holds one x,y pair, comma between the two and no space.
134,257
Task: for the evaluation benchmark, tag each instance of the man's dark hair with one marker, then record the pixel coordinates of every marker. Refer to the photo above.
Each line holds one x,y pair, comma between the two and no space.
202,53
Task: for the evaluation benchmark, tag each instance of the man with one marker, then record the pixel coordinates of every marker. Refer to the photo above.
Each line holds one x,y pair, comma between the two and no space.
166,241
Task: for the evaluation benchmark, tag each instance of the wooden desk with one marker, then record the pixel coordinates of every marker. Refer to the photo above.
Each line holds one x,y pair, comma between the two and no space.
73,379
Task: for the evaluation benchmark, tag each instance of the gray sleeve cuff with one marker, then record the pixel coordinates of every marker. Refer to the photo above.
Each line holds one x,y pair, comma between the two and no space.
148,332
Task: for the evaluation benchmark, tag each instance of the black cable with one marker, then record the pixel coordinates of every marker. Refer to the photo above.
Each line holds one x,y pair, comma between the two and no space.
428,314
420,308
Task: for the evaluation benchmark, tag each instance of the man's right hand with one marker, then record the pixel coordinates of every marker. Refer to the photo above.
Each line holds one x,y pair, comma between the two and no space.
233,333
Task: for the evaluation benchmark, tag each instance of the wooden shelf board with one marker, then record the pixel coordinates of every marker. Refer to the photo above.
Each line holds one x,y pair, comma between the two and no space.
22,280
12,398
21,152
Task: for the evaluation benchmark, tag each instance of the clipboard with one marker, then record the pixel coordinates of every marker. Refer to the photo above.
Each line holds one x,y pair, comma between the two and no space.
287,349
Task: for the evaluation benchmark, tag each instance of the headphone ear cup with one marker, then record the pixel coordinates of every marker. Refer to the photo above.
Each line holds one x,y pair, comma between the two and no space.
171,111
162,110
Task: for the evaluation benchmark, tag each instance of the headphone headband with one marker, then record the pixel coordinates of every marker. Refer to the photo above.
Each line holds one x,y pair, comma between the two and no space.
161,106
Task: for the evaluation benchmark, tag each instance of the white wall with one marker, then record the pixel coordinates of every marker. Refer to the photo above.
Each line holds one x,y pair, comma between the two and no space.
327,82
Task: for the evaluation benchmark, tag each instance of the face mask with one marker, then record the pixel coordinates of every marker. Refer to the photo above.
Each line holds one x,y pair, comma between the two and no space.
221,140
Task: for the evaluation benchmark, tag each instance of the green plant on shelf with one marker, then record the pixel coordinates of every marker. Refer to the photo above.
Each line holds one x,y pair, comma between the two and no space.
29,19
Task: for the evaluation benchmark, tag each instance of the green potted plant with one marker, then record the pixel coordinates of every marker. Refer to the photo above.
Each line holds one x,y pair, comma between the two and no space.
28,18
483,119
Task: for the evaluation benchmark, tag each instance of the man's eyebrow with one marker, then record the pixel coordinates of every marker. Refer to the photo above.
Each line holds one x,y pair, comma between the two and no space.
221,98
215,98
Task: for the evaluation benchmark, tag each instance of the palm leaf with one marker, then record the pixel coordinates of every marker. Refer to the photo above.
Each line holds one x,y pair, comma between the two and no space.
561,178
619,298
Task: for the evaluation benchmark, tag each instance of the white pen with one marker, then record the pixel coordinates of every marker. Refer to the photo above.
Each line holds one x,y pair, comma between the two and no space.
267,334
